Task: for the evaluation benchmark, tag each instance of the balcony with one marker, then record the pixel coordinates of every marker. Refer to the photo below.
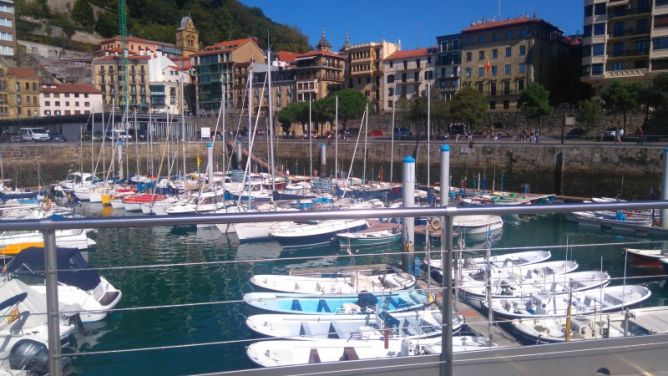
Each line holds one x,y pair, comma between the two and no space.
628,33
629,53
626,73
615,11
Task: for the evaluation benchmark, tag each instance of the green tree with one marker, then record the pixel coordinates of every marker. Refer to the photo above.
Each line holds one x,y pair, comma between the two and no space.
82,13
590,114
535,102
468,106
620,98
352,104
293,113
107,25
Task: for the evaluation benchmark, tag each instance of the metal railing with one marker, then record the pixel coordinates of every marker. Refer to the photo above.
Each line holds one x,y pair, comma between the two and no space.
49,226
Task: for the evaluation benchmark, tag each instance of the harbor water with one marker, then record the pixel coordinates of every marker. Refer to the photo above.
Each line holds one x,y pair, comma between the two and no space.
222,279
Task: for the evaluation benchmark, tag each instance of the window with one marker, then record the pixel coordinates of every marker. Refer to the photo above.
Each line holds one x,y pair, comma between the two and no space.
509,51
469,56
391,64
479,86
67,104
599,28
524,32
587,31
495,53
76,95
429,75
642,25
599,9
403,77
618,49
494,37
85,95
659,3
481,72
597,69
47,103
390,92
660,43
416,76
417,63
589,10
506,104
405,65
509,35
27,85
67,95
494,70
523,50
492,105
507,69
86,104
481,38
522,68
57,104
618,29
47,95
47,112
390,78
368,79
617,66
468,72
598,49
76,104
481,55
520,85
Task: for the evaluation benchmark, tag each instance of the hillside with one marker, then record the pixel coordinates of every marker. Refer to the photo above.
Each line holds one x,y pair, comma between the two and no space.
158,19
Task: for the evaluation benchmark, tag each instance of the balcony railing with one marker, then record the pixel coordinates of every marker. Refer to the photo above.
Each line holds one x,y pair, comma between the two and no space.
621,11
628,32
638,72
632,52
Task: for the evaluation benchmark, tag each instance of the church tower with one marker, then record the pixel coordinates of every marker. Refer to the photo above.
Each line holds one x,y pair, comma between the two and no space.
187,37
324,44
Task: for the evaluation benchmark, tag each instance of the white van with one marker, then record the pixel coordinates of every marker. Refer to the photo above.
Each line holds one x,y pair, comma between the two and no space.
118,134
34,134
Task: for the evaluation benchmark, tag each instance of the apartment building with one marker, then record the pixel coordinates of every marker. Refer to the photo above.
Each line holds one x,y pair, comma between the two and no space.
408,74
214,66
167,80
448,65
624,40
282,88
500,58
364,71
108,77
19,93
7,28
69,99
318,72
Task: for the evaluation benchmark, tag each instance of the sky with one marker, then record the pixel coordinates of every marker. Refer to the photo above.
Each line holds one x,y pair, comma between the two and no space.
415,23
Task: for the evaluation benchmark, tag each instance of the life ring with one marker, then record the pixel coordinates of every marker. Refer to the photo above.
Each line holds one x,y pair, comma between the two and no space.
435,224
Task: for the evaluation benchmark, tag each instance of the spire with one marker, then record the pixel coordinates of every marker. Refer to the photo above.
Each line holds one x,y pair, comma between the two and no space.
323,45
346,44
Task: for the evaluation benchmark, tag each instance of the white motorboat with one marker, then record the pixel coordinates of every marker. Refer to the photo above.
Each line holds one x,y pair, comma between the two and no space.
12,242
344,282
507,260
373,326
634,322
287,353
553,284
198,203
92,293
159,207
77,179
302,233
605,299
368,238
477,224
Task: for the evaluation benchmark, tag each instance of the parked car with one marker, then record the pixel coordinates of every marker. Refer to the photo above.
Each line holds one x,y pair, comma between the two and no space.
611,133
10,137
402,134
56,137
576,133
351,132
118,134
34,134
376,133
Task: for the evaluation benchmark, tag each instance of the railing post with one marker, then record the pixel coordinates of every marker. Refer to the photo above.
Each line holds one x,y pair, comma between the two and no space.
664,187
53,314
446,307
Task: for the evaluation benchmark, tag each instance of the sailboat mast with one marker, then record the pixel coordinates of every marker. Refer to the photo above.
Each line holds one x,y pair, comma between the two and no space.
310,137
336,137
366,136
429,135
394,106
271,122
250,117
183,128
92,147
136,137
223,100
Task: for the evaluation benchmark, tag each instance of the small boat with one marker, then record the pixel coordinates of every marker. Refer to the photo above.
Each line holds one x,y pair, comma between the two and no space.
605,299
634,322
134,202
205,202
287,353
344,282
92,293
337,304
649,259
554,284
477,224
321,232
368,238
13,242
412,325
503,261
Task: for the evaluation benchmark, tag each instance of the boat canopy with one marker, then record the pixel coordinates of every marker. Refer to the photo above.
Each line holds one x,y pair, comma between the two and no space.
30,261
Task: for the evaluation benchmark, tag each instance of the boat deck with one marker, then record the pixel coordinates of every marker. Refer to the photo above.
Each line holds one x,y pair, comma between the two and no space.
337,269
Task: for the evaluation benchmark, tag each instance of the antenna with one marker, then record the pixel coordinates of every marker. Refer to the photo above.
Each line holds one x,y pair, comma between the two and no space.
499,13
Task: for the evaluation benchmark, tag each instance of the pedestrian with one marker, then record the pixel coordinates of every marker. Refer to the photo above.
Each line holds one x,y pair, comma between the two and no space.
618,135
642,136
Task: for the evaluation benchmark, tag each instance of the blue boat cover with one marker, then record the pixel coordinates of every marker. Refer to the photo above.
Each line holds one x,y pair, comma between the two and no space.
70,263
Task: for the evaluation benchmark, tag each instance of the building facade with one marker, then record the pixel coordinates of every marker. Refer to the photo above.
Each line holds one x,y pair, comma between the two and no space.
19,93
624,40
364,71
318,72
214,67
187,37
408,74
136,46
166,82
108,78
7,28
448,65
69,99
500,58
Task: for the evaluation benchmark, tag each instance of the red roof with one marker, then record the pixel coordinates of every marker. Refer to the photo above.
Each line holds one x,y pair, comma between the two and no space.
69,88
21,72
286,56
575,40
318,53
131,38
407,54
116,57
485,25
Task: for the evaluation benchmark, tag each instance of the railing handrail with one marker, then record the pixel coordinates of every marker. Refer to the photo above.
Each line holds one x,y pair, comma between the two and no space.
120,222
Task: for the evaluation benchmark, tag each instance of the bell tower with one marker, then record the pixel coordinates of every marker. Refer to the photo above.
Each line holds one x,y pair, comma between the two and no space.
187,37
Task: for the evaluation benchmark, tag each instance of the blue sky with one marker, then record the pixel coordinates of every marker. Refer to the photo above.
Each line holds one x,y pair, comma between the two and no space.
415,22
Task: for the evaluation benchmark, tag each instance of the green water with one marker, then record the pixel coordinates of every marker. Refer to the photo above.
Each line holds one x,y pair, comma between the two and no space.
220,282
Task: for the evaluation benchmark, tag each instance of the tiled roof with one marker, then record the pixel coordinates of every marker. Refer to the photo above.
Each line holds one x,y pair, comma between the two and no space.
21,72
407,54
116,57
485,25
318,53
69,88
286,56
131,38
228,45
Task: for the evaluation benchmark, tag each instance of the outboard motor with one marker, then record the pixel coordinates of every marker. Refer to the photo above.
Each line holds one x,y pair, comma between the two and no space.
366,300
31,356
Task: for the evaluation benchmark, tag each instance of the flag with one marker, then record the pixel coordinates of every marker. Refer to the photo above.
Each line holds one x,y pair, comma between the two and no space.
488,67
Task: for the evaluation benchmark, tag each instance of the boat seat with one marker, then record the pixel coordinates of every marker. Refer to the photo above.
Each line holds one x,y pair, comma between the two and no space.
613,300
323,307
314,357
349,353
296,306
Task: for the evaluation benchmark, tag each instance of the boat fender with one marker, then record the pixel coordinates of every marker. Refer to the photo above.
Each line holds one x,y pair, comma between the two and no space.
435,224
431,298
